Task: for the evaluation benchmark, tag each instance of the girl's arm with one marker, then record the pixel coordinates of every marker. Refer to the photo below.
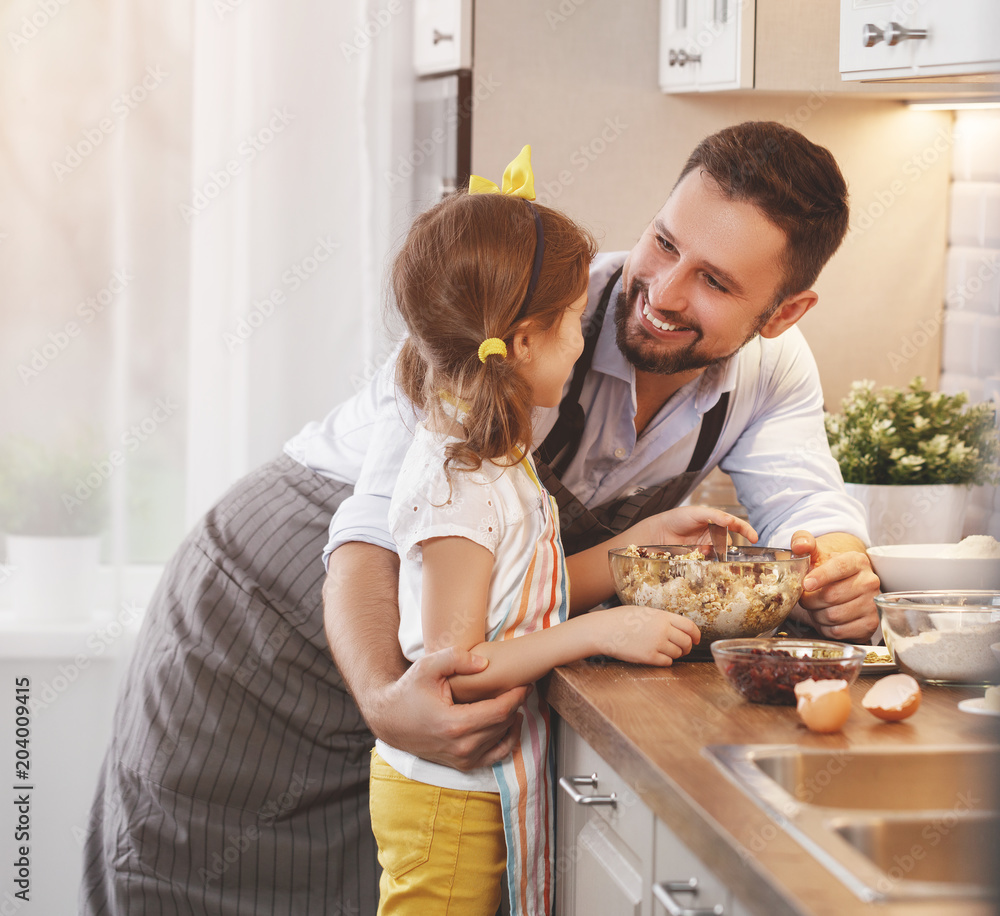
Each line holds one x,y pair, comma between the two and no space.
456,576
590,573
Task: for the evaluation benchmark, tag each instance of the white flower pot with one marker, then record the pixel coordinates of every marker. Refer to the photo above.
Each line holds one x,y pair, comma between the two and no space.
53,579
923,514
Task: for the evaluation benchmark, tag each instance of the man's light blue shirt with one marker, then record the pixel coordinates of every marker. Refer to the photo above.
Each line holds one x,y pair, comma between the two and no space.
773,443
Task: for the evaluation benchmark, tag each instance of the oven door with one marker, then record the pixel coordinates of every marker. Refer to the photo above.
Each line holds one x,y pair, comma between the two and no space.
442,131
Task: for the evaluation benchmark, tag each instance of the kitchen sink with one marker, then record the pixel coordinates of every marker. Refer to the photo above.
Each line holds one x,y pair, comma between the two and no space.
918,780
944,850
899,823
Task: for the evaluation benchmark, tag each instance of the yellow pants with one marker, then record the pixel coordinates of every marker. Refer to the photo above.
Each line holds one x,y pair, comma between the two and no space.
442,851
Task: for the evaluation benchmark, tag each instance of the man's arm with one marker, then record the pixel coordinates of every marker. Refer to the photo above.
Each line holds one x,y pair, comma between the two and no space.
408,707
788,481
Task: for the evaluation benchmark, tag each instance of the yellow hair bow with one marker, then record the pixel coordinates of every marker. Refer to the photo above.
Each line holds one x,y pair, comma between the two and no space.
518,180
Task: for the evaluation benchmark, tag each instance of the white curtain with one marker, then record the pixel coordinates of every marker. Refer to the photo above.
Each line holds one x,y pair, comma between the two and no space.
194,222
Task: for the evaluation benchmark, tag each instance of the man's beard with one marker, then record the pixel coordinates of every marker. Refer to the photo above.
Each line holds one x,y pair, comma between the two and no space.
646,354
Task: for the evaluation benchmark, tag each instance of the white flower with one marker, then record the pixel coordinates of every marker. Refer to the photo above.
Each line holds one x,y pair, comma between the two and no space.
938,445
959,452
489,529
453,505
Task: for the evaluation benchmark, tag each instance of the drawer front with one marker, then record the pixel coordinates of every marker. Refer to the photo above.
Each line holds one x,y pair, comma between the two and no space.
628,816
676,866
961,38
604,849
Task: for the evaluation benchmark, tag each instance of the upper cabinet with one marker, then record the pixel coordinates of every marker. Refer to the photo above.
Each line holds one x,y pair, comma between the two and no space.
442,36
932,39
706,45
796,46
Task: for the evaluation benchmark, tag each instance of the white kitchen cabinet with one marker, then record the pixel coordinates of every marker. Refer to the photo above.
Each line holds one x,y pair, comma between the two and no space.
706,45
604,836
930,39
790,46
442,36
613,855
683,882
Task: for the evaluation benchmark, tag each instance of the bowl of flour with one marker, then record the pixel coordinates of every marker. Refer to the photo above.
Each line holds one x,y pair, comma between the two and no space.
972,563
943,637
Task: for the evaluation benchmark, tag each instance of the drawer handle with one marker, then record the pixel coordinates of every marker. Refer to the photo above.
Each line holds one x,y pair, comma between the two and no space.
892,35
680,58
569,783
441,36
664,892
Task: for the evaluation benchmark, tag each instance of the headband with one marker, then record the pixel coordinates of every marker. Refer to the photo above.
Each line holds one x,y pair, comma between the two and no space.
518,181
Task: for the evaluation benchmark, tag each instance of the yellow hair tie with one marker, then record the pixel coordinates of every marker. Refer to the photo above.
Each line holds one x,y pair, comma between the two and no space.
492,346
518,179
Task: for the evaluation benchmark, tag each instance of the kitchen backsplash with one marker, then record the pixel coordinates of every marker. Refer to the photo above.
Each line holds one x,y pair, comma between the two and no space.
970,345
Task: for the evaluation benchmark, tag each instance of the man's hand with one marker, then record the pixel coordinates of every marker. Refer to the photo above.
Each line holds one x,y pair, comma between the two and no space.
840,586
408,707
417,714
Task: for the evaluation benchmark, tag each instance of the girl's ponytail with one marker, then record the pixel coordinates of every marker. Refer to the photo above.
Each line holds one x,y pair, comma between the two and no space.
411,371
498,411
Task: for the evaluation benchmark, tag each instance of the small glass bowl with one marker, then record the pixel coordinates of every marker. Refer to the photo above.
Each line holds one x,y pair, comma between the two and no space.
943,637
749,593
767,670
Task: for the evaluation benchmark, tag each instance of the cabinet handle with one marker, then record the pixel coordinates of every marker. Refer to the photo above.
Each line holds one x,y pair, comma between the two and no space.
892,35
569,783
440,36
871,35
721,11
664,892
680,58
895,33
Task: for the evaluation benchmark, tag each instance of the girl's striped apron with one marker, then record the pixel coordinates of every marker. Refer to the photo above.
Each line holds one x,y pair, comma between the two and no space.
525,778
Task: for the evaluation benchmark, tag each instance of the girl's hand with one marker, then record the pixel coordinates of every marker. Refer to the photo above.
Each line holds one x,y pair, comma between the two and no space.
645,635
687,525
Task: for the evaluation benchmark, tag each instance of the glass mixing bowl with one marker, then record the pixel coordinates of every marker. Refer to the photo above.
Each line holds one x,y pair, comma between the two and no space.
943,637
749,593
767,670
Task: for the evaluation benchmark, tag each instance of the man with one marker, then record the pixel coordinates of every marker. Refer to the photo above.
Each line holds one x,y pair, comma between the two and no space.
237,777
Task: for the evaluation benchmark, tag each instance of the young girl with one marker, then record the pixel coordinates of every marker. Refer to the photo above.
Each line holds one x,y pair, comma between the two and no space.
492,289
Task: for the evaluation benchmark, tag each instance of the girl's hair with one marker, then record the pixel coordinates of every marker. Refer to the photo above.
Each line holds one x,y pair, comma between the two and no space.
460,278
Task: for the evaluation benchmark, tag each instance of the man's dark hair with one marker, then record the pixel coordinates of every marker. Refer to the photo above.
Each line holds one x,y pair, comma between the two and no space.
795,183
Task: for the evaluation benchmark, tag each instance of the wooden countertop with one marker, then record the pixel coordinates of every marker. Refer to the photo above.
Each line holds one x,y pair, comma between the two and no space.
651,724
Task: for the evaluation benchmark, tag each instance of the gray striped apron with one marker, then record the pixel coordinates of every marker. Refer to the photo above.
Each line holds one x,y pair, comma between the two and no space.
236,781
583,527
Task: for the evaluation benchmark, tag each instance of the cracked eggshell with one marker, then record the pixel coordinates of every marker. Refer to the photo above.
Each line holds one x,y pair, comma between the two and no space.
895,697
824,706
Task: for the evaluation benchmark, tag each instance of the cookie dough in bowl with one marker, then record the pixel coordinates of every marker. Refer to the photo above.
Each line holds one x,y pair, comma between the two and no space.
749,593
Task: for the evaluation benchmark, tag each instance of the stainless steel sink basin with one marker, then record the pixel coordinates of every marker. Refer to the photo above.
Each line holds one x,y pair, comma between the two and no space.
891,824
944,850
918,780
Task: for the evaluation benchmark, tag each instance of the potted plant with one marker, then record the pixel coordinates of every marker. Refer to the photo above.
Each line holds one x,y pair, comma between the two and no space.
52,512
910,456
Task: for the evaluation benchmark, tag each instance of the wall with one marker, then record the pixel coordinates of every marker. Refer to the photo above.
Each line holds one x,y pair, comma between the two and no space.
578,80
970,359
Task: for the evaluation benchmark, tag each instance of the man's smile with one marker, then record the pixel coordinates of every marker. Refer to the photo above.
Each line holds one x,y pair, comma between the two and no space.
652,318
